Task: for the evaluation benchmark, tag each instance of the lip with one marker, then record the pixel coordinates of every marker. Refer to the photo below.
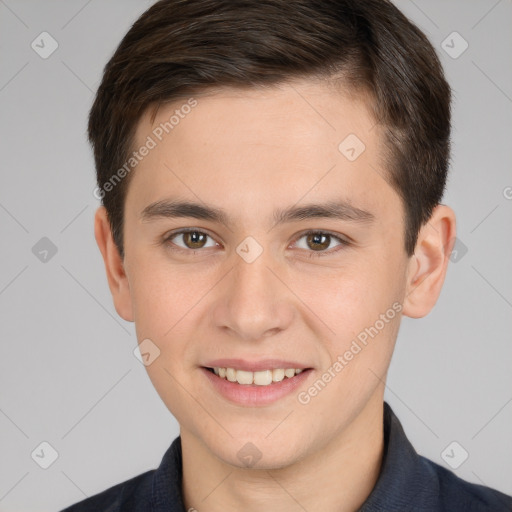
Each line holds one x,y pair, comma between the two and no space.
254,366
252,395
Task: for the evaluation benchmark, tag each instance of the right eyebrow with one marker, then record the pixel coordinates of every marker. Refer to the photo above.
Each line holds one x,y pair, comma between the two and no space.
172,209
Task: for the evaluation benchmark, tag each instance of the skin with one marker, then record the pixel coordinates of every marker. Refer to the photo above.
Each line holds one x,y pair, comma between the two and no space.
250,152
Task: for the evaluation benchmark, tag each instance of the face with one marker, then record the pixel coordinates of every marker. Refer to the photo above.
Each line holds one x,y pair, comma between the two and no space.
289,251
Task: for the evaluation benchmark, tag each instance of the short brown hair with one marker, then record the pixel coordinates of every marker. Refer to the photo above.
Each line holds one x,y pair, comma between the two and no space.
181,47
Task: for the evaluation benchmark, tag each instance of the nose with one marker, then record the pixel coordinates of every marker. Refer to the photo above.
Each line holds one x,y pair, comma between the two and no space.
253,303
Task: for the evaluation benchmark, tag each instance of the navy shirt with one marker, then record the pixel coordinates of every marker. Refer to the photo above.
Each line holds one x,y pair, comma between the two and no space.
407,482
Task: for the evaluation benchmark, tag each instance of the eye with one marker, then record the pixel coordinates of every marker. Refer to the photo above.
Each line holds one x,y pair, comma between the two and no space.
190,239
319,242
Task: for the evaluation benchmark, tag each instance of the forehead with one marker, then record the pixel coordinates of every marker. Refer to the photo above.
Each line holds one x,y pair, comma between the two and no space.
247,148
311,114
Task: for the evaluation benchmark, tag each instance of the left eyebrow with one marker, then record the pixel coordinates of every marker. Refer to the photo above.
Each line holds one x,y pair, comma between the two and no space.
340,210
173,208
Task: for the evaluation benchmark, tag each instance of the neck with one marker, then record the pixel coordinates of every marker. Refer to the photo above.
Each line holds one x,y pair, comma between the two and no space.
345,470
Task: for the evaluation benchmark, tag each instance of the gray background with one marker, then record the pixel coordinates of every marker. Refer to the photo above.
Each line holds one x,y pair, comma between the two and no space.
68,375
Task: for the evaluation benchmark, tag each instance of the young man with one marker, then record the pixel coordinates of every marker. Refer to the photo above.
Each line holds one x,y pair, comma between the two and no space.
271,175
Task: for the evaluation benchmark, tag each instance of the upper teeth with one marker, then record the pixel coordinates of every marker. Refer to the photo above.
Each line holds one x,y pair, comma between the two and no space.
262,378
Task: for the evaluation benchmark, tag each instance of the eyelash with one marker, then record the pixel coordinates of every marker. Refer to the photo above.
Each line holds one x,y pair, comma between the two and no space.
313,254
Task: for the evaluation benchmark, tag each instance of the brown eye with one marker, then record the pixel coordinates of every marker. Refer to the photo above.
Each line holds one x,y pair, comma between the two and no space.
318,241
194,239
190,239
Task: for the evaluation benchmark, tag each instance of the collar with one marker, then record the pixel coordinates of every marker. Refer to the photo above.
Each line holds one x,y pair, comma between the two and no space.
404,480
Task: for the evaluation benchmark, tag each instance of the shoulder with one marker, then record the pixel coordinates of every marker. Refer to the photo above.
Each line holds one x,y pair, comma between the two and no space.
123,496
409,481
458,494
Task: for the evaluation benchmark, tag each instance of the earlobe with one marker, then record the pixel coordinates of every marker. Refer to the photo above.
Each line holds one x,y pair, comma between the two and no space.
114,266
428,266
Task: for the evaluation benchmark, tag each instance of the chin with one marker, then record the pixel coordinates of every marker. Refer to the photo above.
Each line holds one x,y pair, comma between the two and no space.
258,452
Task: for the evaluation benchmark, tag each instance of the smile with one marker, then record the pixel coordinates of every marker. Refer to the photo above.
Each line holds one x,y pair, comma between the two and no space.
259,378
255,388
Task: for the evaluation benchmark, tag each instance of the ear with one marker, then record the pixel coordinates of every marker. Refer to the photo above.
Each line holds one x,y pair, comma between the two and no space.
116,276
428,265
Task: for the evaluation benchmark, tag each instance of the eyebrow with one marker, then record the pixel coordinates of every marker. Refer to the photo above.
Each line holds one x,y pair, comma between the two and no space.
341,210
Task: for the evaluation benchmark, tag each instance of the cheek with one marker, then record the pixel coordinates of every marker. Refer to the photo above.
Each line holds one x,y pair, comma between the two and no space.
342,298
163,294
360,301
169,304
165,299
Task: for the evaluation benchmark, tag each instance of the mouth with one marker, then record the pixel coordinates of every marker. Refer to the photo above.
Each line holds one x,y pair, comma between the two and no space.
258,388
259,378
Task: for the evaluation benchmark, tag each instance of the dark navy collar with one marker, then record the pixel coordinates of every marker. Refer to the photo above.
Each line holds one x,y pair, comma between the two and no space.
407,481
403,478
